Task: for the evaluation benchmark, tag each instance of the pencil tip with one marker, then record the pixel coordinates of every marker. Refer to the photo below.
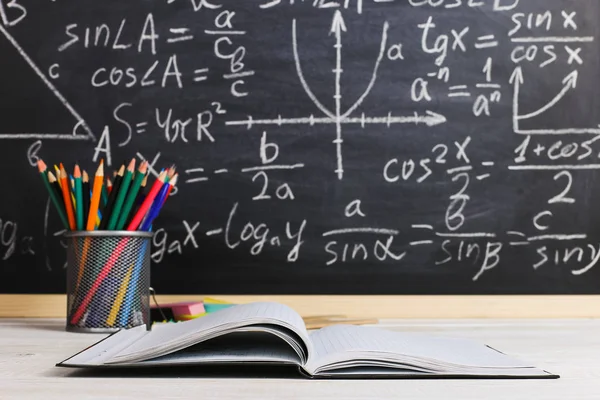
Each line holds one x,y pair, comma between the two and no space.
41,165
131,166
174,180
77,172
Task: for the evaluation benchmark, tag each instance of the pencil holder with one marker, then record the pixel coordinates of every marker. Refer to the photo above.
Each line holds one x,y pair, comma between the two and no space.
108,280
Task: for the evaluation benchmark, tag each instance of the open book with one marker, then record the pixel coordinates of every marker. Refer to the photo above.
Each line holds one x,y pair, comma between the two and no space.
272,333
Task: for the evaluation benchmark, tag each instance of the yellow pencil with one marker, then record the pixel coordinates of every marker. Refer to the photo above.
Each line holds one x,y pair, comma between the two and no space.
112,317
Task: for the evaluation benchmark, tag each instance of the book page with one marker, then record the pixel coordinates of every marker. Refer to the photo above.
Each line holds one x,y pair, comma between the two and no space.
246,346
346,342
176,336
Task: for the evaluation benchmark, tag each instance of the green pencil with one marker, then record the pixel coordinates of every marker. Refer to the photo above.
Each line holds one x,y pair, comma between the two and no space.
104,197
61,212
132,195
114,216
78,198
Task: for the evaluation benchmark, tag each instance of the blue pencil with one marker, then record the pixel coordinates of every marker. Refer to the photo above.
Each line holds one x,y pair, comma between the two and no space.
132,287
156,207
146,226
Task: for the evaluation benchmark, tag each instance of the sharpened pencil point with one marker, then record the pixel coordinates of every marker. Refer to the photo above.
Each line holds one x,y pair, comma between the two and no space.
42,166
144,167
51,177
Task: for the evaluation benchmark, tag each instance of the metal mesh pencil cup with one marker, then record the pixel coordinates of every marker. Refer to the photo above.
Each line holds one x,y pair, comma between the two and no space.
108,280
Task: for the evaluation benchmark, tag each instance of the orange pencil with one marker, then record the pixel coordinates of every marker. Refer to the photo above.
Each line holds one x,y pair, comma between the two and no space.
96,193
66,191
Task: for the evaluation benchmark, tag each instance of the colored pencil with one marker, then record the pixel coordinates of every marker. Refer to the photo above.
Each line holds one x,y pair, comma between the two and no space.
149,200
57,171
43,168
155,209
56,186
143,192
140,176
85,189
114,312
125,183
96,193
114,256
66,191
79,208
170,186
112,198
135,222
171,172
104,195
109,186
133,286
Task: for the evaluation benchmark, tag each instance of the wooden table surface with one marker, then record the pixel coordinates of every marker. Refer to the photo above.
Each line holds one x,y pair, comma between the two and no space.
30,348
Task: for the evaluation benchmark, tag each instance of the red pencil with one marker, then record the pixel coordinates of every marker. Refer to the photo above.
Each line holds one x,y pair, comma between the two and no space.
137,219
109,185
66,192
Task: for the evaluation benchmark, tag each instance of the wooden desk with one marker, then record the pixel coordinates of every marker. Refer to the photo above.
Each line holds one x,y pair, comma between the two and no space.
571,348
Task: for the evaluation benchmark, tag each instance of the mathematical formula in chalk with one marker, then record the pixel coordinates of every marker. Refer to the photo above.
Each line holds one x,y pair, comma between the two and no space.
400,134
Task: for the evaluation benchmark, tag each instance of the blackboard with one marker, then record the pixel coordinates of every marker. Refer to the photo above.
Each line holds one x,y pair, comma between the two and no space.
337,147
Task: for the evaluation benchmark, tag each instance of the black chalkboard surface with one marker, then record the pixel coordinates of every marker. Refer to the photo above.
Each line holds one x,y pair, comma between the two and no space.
343,147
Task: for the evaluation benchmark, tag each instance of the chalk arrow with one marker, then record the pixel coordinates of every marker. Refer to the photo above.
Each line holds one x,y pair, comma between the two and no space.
338,25
516,78
570,82
434,119
430,119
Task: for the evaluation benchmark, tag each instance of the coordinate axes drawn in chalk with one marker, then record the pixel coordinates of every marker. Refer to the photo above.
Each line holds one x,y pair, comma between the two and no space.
569,84
339,118
81,124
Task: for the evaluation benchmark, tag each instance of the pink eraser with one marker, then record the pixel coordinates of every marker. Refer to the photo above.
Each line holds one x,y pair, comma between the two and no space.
187,308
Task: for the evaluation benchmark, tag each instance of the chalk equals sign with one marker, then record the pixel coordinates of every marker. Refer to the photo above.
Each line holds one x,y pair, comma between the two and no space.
141,127
487,164
181,35
422,227
202,178
459,91
485,42
201,74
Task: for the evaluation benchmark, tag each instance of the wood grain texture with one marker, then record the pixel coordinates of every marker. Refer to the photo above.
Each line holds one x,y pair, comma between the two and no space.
54,306
29,350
